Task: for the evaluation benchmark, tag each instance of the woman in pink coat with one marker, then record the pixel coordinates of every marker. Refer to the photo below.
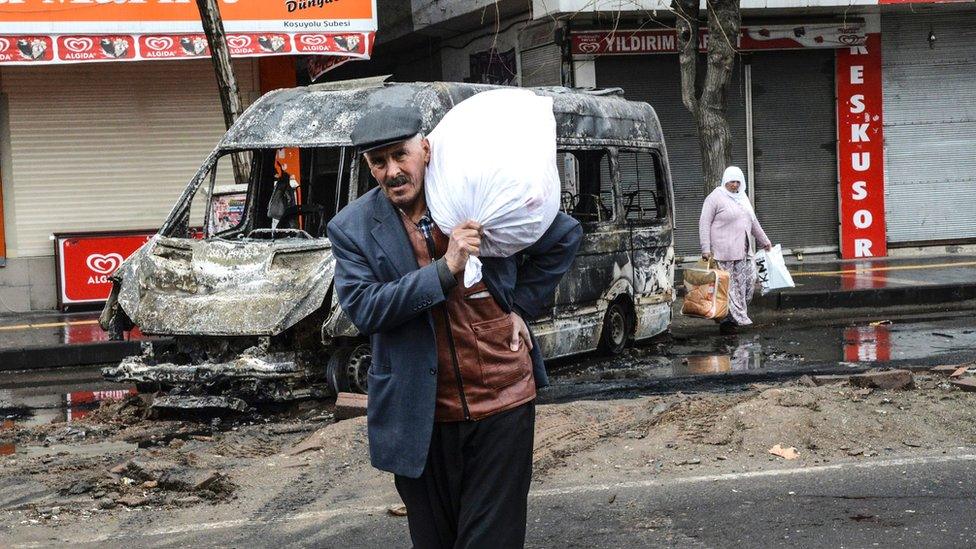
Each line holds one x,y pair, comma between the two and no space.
727,220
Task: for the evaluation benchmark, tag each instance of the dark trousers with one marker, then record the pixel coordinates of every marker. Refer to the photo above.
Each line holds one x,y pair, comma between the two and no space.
474,489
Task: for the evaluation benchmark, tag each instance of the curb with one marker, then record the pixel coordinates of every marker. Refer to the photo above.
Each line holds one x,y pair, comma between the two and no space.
64,356
853,299
887,297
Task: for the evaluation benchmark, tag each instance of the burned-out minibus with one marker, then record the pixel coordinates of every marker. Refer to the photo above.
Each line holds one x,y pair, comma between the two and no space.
239,277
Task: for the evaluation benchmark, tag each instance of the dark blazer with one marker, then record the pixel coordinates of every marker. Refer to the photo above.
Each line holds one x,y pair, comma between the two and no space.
388,297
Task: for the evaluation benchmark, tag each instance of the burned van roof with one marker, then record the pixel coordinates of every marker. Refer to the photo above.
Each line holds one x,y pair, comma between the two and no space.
324,115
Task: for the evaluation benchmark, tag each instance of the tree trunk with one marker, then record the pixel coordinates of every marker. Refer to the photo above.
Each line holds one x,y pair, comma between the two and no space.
230,96
708,108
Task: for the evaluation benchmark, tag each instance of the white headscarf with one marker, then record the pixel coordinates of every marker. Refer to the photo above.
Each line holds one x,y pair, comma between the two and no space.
733,173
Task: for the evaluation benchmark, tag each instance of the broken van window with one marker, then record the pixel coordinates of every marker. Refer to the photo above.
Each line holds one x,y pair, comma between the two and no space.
227,197
590,198
642,186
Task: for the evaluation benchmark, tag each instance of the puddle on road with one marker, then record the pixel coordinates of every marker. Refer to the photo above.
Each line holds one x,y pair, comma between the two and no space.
24,408
778,349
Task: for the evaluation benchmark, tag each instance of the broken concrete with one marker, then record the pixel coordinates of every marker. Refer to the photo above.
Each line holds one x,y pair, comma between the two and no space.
350,405
885,379
967,384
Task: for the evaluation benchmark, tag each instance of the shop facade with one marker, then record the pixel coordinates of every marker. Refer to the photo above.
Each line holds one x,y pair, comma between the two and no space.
99,133
855,132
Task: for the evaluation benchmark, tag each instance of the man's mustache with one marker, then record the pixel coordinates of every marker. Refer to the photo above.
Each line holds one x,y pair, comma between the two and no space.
397,181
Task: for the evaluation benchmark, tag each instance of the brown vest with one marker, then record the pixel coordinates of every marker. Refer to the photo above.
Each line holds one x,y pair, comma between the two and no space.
477,372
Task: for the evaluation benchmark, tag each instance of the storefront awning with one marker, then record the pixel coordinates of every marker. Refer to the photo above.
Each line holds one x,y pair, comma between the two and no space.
78,31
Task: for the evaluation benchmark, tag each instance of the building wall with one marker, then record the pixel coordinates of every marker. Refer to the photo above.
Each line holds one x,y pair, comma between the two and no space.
456,52
97,147
427,13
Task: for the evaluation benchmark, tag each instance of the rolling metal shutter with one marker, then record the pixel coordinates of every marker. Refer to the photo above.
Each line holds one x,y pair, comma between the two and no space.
795,148
656,79
929,126
542,66
107,146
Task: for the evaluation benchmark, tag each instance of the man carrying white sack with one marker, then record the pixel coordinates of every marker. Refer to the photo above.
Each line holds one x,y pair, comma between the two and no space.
454,370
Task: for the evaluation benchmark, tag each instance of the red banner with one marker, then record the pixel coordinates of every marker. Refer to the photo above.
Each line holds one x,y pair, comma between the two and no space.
26,49
33,49
769,37
96,48
85,262
860,150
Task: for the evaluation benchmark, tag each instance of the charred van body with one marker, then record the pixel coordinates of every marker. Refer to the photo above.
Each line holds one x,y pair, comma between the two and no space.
239,277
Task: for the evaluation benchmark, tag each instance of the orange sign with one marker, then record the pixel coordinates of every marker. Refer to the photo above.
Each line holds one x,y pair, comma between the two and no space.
144,16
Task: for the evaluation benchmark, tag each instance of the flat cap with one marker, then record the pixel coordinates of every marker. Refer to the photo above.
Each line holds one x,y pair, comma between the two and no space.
381,127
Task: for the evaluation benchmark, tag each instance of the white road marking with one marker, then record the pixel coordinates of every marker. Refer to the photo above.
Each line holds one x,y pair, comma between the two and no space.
314,516
588,488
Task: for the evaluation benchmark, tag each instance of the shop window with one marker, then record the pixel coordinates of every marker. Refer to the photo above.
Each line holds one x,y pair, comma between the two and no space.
587,187
642,187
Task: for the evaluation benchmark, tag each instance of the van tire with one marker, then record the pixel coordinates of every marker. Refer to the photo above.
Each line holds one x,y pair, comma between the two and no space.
347,369
618,327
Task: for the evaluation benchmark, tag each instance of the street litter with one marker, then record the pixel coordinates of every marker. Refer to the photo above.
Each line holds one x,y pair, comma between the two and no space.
772,271
785,453
707,291
884,379
515,201
880,323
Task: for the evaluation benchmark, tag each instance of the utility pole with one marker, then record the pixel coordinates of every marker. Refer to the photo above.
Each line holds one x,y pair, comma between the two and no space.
230,96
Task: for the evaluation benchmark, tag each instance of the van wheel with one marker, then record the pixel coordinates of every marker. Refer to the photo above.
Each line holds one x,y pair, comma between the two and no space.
617,328
348,368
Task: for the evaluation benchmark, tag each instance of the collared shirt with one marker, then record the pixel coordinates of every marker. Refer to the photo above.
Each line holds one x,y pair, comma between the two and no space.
426,227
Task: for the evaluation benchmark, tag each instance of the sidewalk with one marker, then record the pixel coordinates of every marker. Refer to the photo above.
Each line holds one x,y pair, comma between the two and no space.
874,283
54,340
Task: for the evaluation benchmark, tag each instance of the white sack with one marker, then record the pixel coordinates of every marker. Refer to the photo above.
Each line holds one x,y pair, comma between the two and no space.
772,270
493,160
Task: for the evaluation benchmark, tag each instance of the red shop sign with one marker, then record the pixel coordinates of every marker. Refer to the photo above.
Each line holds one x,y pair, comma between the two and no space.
86,261
96,48
756,37
860,150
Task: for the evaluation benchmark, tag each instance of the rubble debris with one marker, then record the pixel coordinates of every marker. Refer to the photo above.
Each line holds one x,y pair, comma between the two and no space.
162,432
398,510
81,487
961,371
945,370
132,500
203,404
105,503
829,379
967,384
350,405
806,381
189,479
884,379
785,453
169,475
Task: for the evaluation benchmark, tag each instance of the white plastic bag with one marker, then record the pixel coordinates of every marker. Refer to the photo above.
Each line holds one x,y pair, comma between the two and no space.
772,270
493,160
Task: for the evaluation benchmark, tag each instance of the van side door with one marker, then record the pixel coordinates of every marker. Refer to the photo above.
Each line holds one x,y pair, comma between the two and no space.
588,195
644,193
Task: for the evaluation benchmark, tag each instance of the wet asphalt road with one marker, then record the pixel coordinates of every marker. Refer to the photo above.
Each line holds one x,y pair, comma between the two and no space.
914,502
693,357
920,503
